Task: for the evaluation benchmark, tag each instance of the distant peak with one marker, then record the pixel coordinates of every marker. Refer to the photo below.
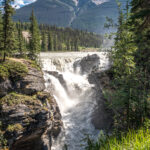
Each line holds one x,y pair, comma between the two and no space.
76,2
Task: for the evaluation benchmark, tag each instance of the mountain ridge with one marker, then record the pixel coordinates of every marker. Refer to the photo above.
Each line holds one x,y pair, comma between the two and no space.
84,15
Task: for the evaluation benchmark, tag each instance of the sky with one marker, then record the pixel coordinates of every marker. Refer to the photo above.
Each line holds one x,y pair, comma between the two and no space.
20,3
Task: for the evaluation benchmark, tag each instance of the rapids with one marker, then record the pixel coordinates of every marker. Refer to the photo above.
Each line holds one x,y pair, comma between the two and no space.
74,95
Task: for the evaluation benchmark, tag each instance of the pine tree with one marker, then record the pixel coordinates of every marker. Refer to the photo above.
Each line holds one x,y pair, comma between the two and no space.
35,37
44,44
76,48
8,27
140,22
68,45
55,43
50,42
21,43
1,33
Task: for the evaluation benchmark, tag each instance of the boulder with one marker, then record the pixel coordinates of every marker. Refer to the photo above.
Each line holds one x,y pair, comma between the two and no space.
87,64
32,83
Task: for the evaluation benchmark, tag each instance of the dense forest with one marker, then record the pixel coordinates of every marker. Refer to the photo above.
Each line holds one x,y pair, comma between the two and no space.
64,39
129,97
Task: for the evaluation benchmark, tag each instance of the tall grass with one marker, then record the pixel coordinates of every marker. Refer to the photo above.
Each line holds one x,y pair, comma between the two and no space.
133,140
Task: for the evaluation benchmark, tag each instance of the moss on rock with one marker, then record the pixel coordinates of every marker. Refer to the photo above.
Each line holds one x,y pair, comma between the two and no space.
15,99
14,127
12,69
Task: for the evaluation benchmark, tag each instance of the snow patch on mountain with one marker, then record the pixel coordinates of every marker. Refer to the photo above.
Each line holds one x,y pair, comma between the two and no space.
98,2
76,2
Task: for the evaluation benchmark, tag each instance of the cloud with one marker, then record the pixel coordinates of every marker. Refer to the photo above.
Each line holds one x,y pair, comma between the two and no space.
20,3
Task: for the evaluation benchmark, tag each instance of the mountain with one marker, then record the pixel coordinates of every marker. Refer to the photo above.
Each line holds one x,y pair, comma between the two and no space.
82,14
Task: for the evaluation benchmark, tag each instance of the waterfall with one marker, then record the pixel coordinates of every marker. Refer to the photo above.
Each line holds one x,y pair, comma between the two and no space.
65,77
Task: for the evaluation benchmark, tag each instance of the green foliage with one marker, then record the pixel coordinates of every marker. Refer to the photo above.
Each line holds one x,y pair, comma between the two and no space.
35,37
13,99
65,39
130,72
3,141
8,28
14,127
21,42
12,69
1,33
133,139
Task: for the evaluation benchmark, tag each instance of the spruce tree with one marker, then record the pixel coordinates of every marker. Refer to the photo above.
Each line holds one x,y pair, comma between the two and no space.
55,43
140,22
50,42
21,43
8,27
44,44
1,33
35,37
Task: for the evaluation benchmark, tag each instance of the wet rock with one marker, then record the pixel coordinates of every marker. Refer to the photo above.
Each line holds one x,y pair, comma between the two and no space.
102,117
59,77
87,64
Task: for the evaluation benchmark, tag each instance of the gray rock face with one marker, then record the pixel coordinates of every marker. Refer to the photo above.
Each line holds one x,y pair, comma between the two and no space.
5,87
32,123
30,117
87,64
32,83
102,117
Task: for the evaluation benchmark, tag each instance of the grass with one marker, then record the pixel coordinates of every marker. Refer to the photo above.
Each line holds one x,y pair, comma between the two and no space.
133,140
12,69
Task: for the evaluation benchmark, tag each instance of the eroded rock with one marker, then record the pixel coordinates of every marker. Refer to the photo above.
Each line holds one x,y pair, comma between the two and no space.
29,122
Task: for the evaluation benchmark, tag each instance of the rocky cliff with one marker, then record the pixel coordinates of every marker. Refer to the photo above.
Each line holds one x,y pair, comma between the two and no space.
102,117
29,116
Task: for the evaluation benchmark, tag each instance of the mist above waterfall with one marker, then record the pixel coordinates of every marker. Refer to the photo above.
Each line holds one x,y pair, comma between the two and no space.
66,75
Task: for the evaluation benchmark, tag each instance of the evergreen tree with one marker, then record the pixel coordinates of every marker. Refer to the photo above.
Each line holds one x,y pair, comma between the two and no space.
50,42
68,45
35,37
76,48
55,43
8,27
44,44
140,22
21,43
1,32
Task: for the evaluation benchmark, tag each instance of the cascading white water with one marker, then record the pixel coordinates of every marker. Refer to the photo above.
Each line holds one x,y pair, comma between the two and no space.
74,95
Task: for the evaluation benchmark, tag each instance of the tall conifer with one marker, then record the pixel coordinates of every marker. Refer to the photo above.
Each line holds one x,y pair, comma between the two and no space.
21,43
35,37
8,27
50,42
1,33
